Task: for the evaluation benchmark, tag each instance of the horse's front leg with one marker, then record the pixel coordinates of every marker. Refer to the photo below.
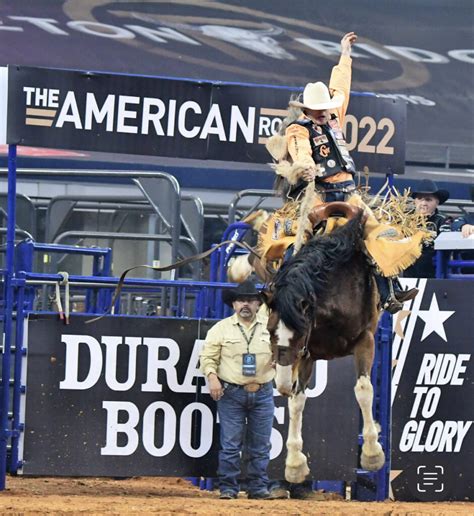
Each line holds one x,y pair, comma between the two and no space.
296,468
372,457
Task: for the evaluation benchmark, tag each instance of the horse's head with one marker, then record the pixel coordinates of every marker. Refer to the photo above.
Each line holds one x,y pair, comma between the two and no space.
287,344
288,337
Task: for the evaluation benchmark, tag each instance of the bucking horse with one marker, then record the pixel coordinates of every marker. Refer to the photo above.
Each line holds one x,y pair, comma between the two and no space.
324,304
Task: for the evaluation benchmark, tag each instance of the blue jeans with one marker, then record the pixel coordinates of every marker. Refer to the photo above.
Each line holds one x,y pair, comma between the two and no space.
250,414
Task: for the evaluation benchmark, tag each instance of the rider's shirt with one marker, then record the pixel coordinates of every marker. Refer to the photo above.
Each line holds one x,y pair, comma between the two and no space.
328,147
307,141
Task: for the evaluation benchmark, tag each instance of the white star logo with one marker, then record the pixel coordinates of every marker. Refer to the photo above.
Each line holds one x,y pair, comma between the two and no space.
434,319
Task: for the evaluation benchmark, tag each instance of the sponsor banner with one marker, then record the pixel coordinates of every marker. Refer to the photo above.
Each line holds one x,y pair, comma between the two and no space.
432,394
124,397
399,53
98,112
179,118
374,127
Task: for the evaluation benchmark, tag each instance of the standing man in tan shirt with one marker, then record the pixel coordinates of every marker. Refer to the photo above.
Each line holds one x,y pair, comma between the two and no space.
237,362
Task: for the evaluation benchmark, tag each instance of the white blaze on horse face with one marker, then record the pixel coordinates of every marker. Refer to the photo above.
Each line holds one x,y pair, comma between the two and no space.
284,374
283,334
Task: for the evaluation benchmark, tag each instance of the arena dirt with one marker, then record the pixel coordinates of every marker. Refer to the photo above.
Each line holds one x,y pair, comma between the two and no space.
178,496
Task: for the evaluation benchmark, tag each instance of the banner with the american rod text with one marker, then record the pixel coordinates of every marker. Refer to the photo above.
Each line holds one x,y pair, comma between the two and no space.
124,397
181,118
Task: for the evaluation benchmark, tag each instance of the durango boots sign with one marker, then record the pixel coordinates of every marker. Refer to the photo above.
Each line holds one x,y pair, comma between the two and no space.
180,118
124,397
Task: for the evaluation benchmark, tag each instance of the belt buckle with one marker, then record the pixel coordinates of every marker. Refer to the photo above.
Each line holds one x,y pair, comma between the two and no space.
252,387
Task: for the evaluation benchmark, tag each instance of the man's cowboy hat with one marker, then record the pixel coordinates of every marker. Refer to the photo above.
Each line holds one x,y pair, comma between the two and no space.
244,290
316,96
428,187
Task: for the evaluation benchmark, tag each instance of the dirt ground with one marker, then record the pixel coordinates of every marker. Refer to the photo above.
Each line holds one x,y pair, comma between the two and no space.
178,496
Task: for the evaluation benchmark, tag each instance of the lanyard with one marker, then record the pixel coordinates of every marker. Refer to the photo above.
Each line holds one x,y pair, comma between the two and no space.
247,340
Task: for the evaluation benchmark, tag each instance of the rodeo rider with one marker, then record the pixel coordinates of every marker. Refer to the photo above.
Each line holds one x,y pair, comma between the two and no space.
316,150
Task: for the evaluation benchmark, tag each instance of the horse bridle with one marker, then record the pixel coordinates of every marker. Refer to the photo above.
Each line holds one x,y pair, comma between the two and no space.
286,355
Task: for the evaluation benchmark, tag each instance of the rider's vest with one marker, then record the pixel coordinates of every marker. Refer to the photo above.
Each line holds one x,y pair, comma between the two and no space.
329,147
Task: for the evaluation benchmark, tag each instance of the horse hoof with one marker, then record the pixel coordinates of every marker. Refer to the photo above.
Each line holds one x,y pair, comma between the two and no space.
297,472
372,462
296,475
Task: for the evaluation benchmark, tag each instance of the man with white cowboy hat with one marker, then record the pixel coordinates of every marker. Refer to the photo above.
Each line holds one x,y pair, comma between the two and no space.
311,147
315,142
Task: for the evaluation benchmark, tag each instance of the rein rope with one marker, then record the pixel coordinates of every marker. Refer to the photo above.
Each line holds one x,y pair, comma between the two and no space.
173,266
303,221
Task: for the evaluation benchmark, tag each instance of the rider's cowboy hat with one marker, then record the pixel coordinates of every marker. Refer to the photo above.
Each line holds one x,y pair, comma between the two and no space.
244,290
428,187
316,96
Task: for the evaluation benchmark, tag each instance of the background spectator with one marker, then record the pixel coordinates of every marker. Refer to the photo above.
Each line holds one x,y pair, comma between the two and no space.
427,199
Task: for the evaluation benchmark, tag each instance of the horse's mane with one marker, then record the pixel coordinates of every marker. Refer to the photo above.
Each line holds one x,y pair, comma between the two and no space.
305,276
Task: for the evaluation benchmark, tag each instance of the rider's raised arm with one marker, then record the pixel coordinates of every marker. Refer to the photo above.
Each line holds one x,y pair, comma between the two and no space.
341,75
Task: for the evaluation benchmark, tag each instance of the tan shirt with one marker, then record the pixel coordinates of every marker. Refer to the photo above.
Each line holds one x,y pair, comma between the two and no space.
299,146
225,345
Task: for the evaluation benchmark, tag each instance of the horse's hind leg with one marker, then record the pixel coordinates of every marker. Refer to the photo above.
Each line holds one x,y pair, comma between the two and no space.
372,457
239,269
296,468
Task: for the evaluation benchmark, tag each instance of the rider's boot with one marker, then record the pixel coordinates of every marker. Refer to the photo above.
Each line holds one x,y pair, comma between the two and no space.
401,294
392,296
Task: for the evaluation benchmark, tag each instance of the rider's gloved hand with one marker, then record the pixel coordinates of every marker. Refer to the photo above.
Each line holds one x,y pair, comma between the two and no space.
309,174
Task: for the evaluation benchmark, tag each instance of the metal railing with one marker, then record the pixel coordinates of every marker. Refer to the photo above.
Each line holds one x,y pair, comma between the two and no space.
164,197
262,196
